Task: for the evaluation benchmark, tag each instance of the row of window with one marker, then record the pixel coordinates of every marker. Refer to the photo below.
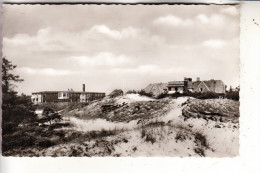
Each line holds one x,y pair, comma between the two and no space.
71,94
93,94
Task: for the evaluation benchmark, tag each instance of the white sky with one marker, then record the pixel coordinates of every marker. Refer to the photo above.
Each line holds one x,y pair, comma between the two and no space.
61,47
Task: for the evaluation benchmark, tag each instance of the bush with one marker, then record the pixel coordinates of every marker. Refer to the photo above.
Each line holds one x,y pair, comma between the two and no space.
143,93
45,143
150,138
233,95
208,95
131,92
162,95
17,108
198,95
180,136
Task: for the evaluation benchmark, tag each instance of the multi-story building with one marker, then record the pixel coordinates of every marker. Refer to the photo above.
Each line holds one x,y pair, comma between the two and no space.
66,96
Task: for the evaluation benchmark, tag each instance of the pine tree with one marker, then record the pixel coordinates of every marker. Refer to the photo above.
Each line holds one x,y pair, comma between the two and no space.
7,76
15,108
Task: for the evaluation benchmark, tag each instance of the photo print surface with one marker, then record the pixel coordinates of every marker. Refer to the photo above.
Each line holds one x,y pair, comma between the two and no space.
120,80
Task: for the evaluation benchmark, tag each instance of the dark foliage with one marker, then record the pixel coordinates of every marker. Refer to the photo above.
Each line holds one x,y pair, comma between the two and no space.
233,95
156,124
198,95
199,151
16,110
150,138
180,136
162,95
208,95
131,92
7,76
201,140
143,93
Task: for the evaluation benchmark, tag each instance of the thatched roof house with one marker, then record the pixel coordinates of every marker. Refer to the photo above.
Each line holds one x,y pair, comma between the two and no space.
156,88
187,85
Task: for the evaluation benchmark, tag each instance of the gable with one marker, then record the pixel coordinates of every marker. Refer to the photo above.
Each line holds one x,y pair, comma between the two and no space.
202,87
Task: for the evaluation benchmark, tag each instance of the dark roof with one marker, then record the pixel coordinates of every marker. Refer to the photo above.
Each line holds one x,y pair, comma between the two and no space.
41,92
176,83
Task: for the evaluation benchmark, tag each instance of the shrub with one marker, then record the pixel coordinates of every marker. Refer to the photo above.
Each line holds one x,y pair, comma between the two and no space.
233,95
201,140
45,143
198,95
143,93
156,123
180,136
199,151
102,133
208,95
105,133
150,138
143,133
131,92
162,95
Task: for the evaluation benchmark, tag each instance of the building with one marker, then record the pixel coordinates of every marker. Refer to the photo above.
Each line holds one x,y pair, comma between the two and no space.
176,86
216,86
187,85
66,96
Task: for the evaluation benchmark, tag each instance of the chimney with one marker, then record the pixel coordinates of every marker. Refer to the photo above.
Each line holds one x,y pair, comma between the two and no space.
83,87
198,79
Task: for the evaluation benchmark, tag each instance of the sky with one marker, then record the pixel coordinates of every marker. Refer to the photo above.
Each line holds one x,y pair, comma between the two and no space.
126,47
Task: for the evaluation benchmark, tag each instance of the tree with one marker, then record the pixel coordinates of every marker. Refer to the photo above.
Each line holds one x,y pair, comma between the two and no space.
15,109
7,76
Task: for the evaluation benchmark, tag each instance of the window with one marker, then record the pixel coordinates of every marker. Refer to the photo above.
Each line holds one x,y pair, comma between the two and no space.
200,89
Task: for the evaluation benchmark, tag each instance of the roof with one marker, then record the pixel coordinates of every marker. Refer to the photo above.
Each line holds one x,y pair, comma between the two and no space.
212,85
156,88
215,85
54,92
176,83
195,84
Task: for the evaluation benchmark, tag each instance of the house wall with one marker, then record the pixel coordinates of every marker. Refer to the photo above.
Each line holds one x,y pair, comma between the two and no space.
216,86
220,87
88,97
74,97
65,97
49,97
36,98
172,90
